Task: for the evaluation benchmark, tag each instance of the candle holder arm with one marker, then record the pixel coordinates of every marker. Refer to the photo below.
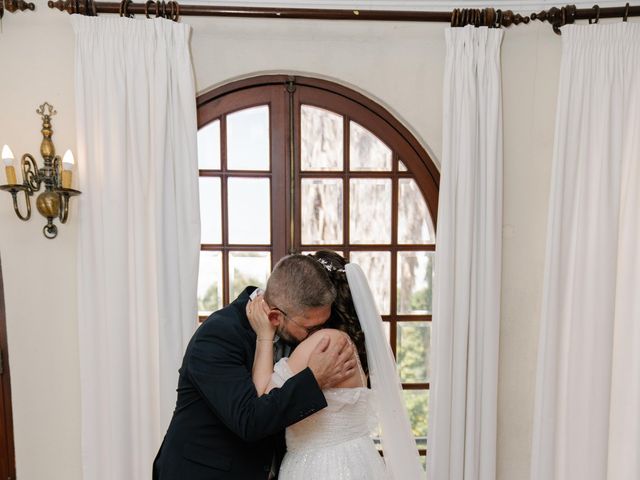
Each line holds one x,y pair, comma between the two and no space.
30,173
65,195
14,190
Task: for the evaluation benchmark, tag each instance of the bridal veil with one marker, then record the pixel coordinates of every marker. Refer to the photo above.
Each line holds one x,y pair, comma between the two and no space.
400,451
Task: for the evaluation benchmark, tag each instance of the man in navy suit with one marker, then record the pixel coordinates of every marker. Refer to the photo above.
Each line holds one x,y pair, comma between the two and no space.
220,428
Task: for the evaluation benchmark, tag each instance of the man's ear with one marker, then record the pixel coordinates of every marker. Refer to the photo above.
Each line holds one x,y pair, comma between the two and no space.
274,318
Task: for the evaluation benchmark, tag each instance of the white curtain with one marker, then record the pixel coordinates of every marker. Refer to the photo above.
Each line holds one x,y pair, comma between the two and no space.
466,316
587,406
139,234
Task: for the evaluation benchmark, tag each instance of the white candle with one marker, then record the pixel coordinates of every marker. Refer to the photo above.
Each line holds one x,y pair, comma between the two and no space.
67,164
7,158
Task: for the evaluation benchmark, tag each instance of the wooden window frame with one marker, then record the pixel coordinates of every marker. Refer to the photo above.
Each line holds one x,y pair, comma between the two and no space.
287,94
7,453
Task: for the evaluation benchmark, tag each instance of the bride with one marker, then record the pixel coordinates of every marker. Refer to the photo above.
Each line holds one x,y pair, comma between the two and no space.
335,442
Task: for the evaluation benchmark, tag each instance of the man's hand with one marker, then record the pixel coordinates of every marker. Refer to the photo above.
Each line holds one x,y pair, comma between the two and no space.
332,362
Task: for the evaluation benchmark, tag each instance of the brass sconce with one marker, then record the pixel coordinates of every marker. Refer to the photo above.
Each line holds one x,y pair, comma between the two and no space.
55,175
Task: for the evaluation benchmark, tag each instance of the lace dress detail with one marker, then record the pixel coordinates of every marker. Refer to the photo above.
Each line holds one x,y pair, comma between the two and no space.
335,442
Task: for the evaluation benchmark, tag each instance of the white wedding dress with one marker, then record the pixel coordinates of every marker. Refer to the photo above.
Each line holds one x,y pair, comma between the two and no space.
334,443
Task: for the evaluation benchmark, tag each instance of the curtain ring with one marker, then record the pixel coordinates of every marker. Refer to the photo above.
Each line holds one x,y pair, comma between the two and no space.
146,8
175,14
454,17
124,9
175,10
90,8
596,9
626,12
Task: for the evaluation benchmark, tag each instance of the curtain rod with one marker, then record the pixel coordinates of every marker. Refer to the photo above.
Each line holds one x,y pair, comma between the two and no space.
556,16
13,6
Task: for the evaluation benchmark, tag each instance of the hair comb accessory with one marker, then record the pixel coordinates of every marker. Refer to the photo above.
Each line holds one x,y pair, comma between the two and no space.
328,265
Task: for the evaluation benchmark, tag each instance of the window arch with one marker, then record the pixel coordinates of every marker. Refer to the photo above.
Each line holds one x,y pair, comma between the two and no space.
305,164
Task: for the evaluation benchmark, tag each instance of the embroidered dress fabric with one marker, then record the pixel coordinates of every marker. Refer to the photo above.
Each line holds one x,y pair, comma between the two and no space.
335,442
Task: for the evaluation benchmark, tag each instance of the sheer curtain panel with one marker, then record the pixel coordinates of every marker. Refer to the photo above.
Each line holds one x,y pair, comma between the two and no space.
139,234
466,317
587,407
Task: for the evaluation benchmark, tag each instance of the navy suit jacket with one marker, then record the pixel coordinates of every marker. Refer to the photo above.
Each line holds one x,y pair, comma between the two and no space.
220,428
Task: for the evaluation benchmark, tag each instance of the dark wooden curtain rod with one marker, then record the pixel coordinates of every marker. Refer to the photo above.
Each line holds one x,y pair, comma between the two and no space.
556,16
13,6
560,16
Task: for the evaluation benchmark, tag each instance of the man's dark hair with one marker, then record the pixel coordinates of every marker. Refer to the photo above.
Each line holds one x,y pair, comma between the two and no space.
297,283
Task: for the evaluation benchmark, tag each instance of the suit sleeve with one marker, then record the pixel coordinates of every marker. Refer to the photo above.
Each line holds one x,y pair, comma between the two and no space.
217,367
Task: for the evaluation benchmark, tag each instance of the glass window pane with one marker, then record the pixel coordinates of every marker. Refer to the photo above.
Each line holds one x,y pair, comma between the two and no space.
370,211
377,268
249,211
210,210
413,342
366,151
415,282
401,167
417,402
248,268
321,210
209,283
387,330
209,146
414,221
248,139
322,139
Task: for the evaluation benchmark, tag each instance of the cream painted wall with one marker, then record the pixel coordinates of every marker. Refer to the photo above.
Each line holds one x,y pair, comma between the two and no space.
36,61
399,65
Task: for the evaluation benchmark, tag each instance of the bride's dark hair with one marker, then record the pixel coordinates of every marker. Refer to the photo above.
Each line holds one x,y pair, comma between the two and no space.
343,313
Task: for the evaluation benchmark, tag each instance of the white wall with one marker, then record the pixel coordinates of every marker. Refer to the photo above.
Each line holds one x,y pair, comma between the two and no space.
36,65
398,64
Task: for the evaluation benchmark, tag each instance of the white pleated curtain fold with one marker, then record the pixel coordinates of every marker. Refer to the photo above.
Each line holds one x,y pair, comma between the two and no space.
466,317
587,406
139,234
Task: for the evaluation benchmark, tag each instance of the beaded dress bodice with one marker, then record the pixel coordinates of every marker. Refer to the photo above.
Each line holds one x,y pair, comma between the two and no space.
335,442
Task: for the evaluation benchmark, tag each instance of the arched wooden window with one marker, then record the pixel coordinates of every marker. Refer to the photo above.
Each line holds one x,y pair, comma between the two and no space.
294,164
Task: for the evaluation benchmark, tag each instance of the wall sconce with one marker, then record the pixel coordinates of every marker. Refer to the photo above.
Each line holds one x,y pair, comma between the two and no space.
55,175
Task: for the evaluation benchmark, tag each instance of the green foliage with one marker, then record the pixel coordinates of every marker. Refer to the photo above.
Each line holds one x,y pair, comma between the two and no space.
413,342
209,301
421,300
417,402
241,281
